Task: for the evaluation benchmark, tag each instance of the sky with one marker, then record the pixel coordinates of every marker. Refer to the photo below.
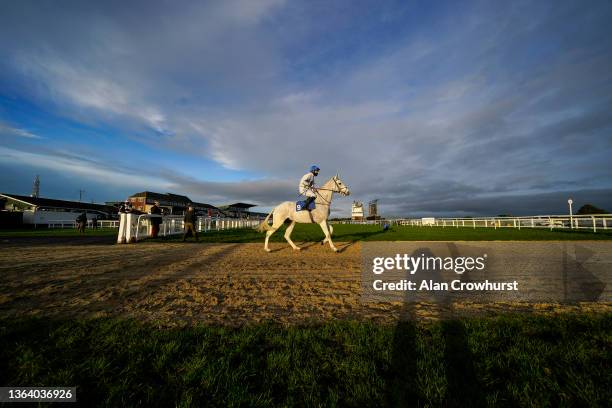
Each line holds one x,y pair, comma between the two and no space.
436,108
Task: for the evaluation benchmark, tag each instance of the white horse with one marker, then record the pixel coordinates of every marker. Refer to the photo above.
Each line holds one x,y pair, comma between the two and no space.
319,215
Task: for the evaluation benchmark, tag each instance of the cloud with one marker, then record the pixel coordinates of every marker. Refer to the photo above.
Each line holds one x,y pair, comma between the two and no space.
265,193
445,110
7,130
81,167
515,204
94,172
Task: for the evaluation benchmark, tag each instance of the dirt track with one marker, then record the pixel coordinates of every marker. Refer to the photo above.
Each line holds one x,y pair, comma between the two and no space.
229,284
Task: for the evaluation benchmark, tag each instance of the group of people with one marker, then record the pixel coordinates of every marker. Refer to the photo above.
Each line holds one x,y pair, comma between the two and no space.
189,221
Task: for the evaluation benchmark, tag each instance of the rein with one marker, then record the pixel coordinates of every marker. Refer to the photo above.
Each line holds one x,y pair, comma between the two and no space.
329,189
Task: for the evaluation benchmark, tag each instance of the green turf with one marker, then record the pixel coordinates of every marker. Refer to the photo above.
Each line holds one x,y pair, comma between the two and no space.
503,361
348,232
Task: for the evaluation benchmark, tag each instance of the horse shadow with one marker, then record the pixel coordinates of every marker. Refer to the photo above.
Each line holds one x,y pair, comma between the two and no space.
355,237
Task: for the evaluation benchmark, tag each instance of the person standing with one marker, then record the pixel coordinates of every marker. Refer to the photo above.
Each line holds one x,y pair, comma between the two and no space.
155,221
190,221
81,222
94,223
125,208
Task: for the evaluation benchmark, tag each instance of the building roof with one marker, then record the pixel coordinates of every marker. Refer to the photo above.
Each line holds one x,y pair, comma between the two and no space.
238,205
173,197
53,203
204,205
163,196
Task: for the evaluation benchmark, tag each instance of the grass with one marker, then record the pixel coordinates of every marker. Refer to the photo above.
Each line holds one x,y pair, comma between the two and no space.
508,360
348,232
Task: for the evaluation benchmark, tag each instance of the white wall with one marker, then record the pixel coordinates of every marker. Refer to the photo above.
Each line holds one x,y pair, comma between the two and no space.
44,217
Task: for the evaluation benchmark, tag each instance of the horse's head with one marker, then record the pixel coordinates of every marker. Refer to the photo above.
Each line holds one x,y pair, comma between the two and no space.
342,188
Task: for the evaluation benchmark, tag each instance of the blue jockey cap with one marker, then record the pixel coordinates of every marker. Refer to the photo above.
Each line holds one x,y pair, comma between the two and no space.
314,168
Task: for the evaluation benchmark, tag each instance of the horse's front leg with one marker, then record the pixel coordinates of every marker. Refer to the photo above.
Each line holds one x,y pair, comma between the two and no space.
331,232
325,229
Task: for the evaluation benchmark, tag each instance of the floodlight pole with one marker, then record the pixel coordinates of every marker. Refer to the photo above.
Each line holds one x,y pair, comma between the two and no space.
570,202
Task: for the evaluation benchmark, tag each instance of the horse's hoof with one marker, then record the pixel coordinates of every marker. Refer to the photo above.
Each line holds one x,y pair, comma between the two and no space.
336,250
267,250
297,249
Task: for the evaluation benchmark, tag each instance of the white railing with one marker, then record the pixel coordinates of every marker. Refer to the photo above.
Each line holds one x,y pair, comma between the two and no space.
73,224
140,225
595,222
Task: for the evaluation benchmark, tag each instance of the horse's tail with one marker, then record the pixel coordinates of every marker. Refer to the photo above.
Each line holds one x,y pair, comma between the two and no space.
264,225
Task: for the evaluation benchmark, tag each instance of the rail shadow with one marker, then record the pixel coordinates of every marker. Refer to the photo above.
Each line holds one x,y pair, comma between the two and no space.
463,387
462,383
157,271
12,241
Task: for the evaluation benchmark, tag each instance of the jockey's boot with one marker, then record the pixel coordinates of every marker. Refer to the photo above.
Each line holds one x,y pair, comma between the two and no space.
307,204
310,214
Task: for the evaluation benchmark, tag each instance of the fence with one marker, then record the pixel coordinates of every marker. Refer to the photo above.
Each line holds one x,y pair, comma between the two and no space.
72,224
136,227
595,222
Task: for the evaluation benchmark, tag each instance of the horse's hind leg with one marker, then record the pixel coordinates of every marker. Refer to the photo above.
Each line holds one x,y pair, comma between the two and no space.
288,236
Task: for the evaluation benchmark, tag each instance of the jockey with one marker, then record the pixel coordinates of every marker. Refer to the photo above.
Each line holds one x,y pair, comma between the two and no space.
307,188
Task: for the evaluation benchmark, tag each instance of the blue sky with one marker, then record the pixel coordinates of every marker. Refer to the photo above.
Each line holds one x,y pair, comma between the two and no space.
437,108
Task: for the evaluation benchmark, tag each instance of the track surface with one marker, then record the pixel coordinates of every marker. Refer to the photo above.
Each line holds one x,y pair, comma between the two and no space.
230,284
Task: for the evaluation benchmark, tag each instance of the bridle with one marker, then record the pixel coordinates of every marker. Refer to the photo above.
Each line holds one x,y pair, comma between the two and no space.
339,190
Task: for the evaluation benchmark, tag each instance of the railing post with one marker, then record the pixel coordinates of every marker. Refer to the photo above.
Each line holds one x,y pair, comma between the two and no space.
594,224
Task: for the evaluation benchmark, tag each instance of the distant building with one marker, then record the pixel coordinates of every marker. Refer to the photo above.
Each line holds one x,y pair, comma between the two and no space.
42,211
428,221
373,210
241,210
357,211
171,203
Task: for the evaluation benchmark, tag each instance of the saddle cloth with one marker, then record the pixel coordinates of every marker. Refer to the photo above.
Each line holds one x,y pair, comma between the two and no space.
301,206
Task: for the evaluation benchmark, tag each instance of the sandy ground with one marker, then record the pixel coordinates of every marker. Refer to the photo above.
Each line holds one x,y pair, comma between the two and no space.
231,284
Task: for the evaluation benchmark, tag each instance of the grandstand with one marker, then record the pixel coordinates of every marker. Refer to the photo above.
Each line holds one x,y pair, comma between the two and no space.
46,211
171,203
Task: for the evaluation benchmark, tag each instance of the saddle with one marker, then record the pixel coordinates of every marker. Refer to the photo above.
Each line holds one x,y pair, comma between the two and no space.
301,206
